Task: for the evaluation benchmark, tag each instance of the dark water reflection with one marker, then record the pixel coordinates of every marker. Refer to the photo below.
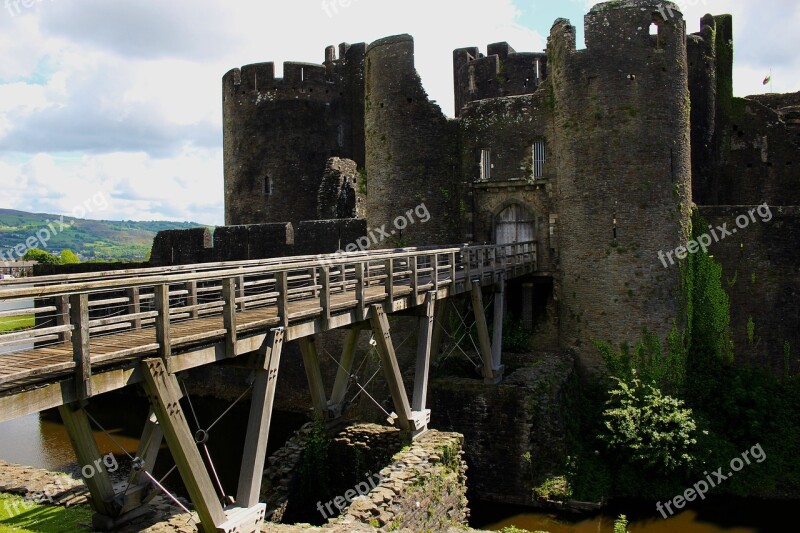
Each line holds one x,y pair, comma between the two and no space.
720,516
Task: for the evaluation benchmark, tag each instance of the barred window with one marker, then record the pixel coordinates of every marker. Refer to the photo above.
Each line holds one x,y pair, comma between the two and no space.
486,164
539,156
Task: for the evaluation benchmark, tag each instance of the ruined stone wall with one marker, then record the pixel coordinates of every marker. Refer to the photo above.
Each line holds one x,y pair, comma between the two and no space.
328,236
752,155
341,193
278,134
622,153
255,241
702,56
503,72
418,487
410,149
762,278
181,247
513,432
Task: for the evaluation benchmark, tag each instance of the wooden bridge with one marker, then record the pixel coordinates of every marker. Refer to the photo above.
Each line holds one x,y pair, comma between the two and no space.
100,332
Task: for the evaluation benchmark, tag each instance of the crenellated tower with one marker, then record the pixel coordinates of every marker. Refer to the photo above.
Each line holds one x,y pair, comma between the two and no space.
279,133
502,72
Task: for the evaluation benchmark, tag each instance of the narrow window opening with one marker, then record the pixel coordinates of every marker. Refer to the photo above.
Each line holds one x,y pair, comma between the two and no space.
302,74
538,70
472,85
486,164
615,227
539,157
654,29
267,186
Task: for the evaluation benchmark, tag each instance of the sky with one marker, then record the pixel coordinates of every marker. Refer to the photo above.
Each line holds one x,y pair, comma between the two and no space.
123,98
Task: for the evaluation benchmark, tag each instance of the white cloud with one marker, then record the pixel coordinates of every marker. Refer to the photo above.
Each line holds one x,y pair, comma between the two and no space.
124,97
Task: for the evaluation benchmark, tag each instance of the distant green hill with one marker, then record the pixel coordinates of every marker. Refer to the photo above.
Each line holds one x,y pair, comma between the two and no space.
91,239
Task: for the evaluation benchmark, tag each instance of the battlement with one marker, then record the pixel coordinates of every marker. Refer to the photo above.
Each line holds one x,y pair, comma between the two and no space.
502,72
298,78
622,25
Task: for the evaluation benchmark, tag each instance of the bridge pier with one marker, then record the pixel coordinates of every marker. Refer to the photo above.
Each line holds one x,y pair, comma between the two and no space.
414,422
111,510
164,393
490,349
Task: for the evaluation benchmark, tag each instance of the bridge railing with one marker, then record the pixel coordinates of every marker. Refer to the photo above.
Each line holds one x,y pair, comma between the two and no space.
249,296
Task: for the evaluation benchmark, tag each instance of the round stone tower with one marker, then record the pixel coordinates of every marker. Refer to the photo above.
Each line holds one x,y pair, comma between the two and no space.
623,153
279,133
410,151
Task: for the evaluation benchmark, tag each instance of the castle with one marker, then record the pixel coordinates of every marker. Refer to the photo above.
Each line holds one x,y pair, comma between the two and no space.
596,154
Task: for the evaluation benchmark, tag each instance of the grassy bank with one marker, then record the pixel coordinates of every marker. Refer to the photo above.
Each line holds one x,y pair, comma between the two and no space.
14,323
19,515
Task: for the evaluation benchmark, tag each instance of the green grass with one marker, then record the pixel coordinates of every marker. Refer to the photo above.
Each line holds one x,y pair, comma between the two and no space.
22,516
14,323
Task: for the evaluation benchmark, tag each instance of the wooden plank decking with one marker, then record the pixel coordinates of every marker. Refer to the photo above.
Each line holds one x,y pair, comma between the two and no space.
313,301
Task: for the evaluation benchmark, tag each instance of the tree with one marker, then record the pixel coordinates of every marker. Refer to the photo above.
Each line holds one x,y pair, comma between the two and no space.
68,257
41,257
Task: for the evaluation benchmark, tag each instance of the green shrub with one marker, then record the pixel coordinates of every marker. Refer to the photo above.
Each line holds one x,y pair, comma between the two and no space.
644,426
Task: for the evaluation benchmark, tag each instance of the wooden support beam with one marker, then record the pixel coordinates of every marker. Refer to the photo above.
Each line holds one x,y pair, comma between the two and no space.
466,258
414,276
164,394
435,267
93,470
497,333
389,284
229,315
360,291
325,295
484,344
79,318
140,488
423,361
440,318
343,374
191,298
282,287
255,446
316,385
162,322
134,306
241,293
62,316
391,370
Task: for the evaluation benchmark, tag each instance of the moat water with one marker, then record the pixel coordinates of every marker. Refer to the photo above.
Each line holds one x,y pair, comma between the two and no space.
713,516
41,441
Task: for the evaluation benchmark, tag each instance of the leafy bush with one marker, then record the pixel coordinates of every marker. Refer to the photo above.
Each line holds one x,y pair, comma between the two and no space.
648,361
621,524
42,257
645,426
